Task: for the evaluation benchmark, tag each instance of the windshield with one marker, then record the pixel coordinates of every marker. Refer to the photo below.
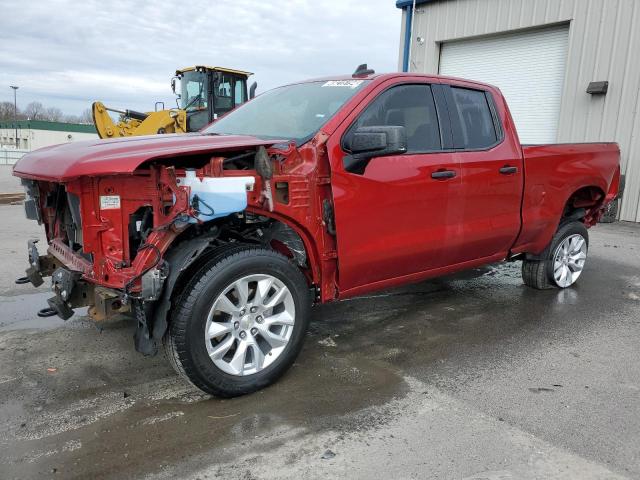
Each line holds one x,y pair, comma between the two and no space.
193,91
294,112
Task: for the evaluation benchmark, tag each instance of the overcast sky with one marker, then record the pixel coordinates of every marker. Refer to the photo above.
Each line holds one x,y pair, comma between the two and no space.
67,54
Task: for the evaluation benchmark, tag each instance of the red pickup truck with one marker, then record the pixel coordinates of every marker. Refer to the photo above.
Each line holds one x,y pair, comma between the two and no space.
217,243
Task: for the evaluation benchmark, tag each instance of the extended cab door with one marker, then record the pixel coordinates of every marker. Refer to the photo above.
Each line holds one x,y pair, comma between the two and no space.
395,217
491,172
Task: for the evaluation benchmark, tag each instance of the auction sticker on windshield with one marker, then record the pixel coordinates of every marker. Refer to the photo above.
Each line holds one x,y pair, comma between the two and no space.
342,83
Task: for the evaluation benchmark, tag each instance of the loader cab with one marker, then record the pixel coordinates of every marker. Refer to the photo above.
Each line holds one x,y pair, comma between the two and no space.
208,92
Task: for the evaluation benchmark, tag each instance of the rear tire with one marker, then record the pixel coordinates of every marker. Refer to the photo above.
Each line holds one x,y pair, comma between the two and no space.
240,322
566,253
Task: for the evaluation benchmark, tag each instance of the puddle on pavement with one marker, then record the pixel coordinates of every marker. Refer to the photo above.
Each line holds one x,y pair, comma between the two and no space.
164,421
128,411
19,312
107,409
109,412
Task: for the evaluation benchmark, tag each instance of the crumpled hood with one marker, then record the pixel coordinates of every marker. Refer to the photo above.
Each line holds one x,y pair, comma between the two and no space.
65,162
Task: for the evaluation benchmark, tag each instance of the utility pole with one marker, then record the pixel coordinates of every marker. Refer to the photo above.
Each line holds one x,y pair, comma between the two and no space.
15,113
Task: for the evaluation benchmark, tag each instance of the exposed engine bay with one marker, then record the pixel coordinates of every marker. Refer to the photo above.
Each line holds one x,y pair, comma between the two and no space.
123,244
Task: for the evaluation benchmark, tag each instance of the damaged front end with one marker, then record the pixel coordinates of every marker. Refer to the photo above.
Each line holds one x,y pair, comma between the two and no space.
129,222
110,237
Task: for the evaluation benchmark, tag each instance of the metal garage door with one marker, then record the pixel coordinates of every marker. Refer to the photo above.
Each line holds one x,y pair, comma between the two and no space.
527,66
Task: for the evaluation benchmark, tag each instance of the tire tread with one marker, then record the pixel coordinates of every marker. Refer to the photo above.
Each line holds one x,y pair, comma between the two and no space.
534,274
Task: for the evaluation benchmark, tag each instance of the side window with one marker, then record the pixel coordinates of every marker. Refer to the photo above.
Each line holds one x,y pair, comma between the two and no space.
477,129
224,100
409,106
238,92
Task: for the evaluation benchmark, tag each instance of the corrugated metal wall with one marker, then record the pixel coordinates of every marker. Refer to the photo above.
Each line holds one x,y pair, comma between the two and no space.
528,65
604,44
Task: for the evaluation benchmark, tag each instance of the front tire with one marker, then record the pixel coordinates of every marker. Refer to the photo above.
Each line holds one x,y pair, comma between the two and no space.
562,262
240,323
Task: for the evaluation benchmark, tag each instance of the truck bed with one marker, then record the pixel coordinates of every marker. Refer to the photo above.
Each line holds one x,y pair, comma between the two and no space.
556,172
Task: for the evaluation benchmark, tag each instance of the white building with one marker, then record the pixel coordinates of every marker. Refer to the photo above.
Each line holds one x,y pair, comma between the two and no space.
545,56
34,134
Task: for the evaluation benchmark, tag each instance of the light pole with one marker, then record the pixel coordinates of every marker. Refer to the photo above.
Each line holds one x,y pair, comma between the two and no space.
15,112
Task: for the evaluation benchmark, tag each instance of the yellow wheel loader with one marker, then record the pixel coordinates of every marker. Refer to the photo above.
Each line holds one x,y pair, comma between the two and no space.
205,93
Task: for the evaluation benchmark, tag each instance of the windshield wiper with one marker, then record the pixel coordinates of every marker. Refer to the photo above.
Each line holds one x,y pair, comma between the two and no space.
197,97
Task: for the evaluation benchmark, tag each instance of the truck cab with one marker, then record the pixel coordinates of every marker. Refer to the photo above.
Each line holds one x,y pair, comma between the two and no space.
456,189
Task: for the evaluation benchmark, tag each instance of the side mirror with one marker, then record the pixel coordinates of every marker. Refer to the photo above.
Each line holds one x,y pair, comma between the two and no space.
368,142
173,84
252,90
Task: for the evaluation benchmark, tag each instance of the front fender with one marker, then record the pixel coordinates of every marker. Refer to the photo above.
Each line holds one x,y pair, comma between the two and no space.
180,257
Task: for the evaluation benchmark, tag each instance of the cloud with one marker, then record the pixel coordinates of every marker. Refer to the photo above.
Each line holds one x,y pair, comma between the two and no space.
69,53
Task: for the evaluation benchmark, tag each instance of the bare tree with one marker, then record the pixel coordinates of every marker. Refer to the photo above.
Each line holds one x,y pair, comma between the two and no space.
35,111
71,119
86,116
53,114
6,111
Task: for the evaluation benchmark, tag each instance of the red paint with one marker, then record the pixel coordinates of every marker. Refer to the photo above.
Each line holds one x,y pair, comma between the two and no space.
552,174
395,224
489,201
61,163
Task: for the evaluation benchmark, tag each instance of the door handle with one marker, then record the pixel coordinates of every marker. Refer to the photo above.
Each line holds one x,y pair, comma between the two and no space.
508,170
443,174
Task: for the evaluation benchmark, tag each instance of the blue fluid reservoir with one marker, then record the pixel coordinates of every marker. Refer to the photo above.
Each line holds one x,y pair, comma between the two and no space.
216,196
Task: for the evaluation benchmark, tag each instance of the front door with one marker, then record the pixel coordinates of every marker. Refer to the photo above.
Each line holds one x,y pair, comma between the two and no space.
397,217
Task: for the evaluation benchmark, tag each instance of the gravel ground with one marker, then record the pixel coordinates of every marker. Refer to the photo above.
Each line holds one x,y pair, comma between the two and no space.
467,377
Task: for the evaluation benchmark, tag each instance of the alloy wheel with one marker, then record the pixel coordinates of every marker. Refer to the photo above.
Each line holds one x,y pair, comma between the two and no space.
569,259
250,324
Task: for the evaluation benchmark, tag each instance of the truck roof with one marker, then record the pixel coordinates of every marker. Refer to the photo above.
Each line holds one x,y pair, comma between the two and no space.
218,69
381,77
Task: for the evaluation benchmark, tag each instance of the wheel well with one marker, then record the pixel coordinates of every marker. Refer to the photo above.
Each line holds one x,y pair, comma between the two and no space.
198,245
266,232
247,230
584,205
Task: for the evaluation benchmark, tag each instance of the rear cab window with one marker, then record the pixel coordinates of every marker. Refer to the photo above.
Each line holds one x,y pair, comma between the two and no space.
473,119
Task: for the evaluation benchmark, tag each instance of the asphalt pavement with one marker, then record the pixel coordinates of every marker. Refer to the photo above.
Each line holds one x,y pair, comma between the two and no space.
9,183
467,377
